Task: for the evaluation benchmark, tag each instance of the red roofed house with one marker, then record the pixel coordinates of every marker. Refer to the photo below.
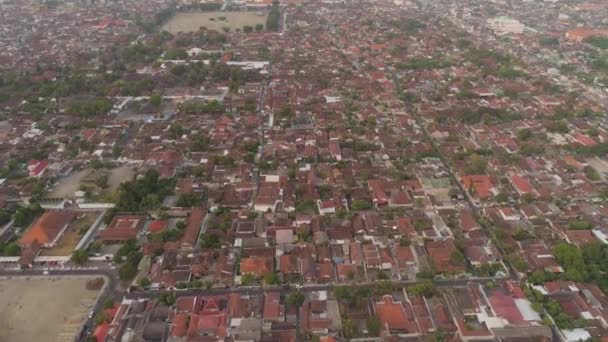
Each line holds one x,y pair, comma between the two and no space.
521,185
123,228
47,229
193,227
393,317
157,226
480,184
37,167
584,140
256,265
579,34
440,252
274,311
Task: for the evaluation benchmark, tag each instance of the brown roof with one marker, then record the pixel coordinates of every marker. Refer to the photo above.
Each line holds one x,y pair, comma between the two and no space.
47,227
123,228
195,221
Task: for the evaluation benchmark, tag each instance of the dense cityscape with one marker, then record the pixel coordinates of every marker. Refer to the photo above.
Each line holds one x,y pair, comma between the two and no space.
297,170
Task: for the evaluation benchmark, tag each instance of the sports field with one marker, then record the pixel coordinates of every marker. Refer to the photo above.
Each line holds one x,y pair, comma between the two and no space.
43,308
191,22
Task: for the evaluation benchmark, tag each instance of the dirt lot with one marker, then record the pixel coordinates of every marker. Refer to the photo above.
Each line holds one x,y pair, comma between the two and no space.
67,186
43,309
191,22
119,175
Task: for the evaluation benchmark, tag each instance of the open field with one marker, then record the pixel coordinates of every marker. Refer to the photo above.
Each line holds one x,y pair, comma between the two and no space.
43,309
191,22
119,175
67,186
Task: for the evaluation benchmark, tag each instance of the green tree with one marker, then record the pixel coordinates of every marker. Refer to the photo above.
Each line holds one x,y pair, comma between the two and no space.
373,325
144,282
12,249
296,299
456,258
524,134
80,256
156,99
168,298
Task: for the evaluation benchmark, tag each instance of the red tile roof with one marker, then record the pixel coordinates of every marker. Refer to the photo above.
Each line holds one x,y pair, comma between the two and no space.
392,315
480,183
521,185
123,228
47,227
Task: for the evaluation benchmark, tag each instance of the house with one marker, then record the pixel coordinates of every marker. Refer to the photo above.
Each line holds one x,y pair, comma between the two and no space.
268,197
47,229
479,186
37,167
441,252
521,185
393,317
579,34
193,227
123,228
326,207
257,265
274,311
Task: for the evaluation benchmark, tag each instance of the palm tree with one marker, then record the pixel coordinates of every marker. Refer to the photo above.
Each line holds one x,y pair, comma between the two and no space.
296,300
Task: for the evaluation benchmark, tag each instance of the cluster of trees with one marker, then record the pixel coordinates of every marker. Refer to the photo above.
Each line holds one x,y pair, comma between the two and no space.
548,41
359,205
195,107
487,270
189,200
25,215
598,42
10,249
139,53
309,206
176,54
476,165
272,22
409,25
426,289
128,256
580,225
210,240
143,194
487,115
80,256
586,264
98,106
424,63
544,305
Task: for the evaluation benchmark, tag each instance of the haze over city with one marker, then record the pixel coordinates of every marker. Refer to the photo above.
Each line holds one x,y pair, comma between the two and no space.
303,170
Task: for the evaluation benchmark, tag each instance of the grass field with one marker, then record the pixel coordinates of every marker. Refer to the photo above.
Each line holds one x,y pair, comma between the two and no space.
43,309
191,22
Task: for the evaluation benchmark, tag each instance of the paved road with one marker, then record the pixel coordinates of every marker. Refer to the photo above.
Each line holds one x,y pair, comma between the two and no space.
284,289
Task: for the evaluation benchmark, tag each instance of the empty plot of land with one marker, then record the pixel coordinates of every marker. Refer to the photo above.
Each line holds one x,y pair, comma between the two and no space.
192,22
119,175
43,309
67,186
